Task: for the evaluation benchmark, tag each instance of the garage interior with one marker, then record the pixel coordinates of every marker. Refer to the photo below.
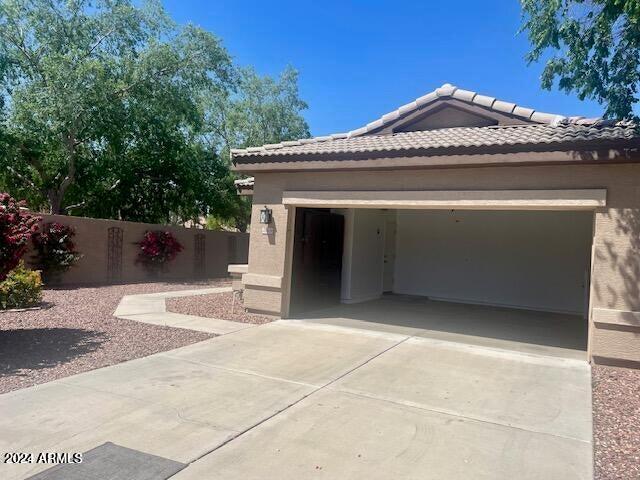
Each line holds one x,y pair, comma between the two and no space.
514,279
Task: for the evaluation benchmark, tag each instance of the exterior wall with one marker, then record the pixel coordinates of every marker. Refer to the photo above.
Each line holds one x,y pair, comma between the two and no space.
615,281
347,251
235,272
269,257
364,257
504,258
220,249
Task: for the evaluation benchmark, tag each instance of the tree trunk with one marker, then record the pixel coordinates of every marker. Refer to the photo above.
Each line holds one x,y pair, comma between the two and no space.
241,224
55,202
56,196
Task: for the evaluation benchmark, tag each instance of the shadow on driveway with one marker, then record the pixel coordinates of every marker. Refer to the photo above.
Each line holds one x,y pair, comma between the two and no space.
41,348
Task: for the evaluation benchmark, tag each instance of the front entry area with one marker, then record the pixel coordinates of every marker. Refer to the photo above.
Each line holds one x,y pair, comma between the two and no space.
517,280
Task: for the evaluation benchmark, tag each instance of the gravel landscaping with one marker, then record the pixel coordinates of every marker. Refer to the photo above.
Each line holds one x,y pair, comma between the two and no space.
76,332
215,305
616,423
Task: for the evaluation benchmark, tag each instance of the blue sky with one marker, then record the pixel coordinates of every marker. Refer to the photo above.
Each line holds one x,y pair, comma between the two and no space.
359,60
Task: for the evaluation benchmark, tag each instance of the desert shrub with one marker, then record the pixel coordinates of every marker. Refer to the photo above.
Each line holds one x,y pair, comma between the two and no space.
16,228
55,249
21,288
157,248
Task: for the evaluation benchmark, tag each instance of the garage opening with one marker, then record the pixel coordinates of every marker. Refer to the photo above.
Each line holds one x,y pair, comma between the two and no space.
507,278
317,260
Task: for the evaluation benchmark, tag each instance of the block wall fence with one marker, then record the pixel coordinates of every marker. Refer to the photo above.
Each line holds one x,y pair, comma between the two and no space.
110,250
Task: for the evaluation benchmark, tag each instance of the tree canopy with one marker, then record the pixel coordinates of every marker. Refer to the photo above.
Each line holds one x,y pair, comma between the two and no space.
112,110
595,49
262,110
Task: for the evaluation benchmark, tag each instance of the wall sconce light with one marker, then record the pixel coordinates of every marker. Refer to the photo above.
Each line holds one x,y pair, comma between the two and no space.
265,215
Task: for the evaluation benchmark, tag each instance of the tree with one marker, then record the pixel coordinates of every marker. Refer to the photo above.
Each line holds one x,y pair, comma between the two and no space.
95,86
113,111
263,110
597,49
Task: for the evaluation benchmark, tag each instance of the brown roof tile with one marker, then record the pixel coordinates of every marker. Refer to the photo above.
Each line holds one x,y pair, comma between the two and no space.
443,92
458,137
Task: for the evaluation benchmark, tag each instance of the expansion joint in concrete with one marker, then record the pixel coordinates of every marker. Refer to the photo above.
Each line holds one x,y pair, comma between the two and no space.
287,407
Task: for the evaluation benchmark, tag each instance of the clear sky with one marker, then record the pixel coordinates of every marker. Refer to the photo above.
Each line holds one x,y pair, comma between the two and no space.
359,60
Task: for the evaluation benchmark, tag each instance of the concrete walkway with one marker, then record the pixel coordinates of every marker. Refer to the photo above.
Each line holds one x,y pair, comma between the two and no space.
293,400
151,308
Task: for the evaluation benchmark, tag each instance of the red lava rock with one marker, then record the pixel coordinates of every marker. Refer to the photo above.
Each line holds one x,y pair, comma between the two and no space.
215,305
616,423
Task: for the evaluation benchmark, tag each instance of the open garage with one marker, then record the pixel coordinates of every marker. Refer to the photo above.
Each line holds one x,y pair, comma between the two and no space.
513,279
501,226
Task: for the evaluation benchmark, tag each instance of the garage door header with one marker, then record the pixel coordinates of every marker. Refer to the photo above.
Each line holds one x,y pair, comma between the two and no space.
583,199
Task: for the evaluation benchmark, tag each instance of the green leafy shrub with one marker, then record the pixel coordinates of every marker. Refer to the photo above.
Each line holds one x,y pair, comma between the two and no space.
55,249
21,288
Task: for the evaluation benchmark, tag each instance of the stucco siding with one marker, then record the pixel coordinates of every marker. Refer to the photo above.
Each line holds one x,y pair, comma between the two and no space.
616,268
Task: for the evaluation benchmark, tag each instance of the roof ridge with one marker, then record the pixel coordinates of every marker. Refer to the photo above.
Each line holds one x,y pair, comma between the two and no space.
448,90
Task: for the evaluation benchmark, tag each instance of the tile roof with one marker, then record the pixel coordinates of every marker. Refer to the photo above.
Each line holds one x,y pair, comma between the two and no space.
473,98
457,137
444,92
244,182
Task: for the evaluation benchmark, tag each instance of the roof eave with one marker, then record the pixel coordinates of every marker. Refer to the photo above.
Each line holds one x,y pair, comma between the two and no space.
593,153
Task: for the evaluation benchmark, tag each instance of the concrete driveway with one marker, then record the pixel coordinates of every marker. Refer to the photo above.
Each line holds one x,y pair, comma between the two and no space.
293,400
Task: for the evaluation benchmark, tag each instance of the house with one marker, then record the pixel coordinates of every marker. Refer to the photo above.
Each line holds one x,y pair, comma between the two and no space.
456,199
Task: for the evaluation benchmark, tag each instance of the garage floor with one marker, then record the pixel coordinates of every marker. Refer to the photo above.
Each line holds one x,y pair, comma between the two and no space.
554,334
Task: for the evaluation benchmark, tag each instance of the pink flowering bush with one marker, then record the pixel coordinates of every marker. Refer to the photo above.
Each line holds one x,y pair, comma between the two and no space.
158,248
55,249
16,228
